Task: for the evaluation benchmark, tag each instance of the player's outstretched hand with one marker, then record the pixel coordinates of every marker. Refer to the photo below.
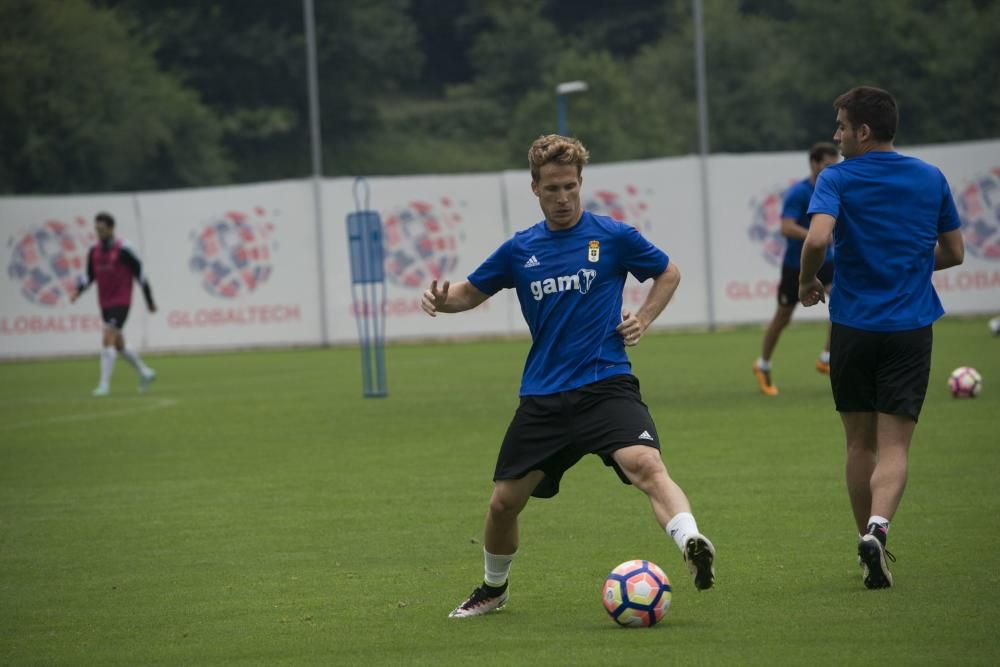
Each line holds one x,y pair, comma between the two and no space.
434,298
631,328
812,293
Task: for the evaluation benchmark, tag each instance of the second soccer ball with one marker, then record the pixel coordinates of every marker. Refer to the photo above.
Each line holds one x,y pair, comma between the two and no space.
965,382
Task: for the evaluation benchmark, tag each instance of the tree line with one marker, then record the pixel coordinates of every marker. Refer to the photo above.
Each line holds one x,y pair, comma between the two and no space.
105,95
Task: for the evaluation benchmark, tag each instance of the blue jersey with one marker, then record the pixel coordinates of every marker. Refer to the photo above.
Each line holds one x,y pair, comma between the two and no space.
795,206
570,283
890,209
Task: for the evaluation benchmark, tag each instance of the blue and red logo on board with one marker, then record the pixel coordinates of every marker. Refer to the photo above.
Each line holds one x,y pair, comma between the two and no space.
979,207
232,254
47,259
629,206
765,223
421,241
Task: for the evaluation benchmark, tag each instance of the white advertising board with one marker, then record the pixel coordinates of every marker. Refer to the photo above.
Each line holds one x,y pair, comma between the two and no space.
233,266
435,228
240,266
746,194
973,172
45,245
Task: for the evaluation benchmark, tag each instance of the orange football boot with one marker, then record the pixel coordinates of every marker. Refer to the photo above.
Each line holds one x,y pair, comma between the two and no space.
764,381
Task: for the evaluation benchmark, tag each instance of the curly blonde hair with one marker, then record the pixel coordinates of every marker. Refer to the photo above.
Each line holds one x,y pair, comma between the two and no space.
556,148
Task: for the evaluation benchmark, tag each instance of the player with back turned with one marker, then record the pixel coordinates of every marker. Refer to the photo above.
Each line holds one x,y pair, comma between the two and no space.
894,223
578,395
113,265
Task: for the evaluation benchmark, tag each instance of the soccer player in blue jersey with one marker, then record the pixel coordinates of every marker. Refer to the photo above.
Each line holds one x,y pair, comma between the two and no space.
577,394
894,223
794,225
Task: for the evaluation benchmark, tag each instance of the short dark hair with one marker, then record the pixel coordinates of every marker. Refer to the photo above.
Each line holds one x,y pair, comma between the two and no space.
822,149
874,107
105,218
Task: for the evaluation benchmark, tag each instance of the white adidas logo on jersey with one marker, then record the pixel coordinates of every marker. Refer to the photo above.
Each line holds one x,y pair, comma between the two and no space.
532,263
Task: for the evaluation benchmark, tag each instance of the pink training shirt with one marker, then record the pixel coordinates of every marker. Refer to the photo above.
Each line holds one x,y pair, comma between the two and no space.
113,277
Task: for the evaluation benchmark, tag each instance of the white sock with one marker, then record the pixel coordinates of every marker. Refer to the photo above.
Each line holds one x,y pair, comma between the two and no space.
133,358
108,356
763,365
681,527
497,567
879,520
824,356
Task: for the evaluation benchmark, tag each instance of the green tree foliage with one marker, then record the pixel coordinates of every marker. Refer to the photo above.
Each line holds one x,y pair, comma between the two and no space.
83,107
941,60
247,57
747,61
418,86
609,117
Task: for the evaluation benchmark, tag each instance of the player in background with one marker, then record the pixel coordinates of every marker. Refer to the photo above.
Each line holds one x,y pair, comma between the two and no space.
113,265
894,223
577,394
794,225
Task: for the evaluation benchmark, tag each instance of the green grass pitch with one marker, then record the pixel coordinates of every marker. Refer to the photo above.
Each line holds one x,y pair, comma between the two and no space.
253,509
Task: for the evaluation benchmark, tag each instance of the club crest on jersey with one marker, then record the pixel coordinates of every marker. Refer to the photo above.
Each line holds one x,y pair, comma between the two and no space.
594,251
579,281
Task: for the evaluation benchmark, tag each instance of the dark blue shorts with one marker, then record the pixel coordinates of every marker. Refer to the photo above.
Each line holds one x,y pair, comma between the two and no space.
551,433
876,371
788,288
115,316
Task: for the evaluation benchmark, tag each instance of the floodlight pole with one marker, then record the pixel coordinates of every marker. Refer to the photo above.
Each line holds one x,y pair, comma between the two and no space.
315,139
706,225
562,90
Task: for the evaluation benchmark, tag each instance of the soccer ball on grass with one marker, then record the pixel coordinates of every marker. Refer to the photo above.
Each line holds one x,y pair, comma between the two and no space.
965,382
637,594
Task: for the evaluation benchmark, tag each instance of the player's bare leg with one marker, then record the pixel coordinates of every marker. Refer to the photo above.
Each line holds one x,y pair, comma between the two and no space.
876,477
109,353
644,468
861,431
500,541
146,374
889,477
509,497
762,367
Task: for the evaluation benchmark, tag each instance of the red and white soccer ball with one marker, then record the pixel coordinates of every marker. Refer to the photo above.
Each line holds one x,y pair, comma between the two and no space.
637,594
965,382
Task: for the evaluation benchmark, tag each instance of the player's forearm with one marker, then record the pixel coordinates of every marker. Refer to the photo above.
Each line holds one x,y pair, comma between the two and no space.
461,297
147,293
949,251
82,283
792,230
815,245
944,260
660,294
813,256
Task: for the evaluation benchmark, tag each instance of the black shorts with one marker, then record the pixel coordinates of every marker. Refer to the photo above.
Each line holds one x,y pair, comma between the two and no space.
788,289
115,316
551,433
874,371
